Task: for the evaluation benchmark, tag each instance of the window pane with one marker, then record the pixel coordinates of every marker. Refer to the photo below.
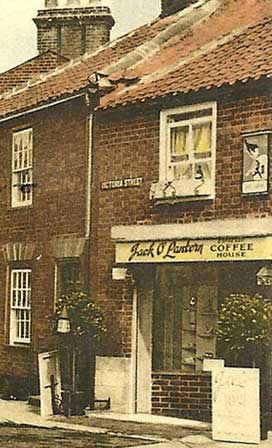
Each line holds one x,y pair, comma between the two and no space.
190,115
20,306
202,135
167,334
22,167
182,171
69,277
179,144
203,170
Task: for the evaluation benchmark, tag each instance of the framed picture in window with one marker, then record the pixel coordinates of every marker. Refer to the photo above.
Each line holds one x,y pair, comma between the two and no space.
255,163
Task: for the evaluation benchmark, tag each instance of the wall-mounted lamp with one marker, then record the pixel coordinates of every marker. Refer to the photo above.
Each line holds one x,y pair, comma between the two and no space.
64,323
264,276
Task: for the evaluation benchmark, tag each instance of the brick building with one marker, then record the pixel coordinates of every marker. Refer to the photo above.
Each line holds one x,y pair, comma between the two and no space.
46,169
151,184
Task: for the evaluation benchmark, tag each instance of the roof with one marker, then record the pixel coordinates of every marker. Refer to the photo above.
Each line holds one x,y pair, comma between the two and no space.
42,63
211,43
244,57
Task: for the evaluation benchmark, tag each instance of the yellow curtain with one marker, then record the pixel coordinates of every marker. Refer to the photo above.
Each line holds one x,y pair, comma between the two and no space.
179,140
202,138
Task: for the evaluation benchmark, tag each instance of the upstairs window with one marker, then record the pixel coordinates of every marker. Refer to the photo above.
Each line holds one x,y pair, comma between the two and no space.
22,164
187,153
20,306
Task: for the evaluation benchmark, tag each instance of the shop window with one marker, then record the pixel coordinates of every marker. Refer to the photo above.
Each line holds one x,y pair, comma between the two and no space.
69,277
184,319
20,306
22,150
187,153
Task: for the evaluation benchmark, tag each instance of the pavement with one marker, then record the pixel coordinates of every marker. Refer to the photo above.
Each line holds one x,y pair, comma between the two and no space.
161,433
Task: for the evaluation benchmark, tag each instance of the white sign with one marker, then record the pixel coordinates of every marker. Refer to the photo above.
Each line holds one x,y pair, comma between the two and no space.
49,374
255,164
130,182
236,405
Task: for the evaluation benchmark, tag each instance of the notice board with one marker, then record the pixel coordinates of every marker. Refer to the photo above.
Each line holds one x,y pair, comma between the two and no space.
236,405
49,366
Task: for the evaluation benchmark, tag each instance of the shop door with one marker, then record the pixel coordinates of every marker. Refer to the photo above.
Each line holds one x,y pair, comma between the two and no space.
184,318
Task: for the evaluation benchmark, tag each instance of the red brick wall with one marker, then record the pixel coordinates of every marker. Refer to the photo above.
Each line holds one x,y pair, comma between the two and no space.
59,207
127,144
182,395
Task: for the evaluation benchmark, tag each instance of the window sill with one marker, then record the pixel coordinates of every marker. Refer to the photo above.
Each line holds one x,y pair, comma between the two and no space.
180,200
19,207
18,345
179,372
172,192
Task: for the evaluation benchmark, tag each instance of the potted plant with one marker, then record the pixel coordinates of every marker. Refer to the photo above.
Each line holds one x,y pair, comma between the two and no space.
78,348
244,337
244,329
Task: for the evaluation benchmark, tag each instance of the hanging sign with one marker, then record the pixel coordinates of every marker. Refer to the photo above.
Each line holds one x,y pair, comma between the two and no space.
255,164
221,249
130,182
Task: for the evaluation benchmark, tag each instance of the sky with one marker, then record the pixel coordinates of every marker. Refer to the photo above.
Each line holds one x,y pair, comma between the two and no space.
18,31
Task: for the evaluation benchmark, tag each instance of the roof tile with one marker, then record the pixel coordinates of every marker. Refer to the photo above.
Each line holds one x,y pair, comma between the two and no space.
232,44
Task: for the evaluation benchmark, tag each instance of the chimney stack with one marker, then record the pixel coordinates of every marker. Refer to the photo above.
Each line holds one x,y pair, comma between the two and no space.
73,27
169,7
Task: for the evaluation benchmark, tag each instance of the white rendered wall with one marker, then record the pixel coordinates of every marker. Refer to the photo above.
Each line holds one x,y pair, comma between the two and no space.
113,379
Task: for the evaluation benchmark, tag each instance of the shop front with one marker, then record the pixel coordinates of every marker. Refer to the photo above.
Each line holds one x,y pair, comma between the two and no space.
182,274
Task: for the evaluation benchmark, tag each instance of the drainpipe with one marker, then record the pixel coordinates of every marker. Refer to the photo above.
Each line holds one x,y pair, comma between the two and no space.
88,228
88,218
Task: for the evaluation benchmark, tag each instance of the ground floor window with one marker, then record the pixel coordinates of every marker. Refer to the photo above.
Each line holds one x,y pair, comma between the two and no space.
185,309
69,276
20,306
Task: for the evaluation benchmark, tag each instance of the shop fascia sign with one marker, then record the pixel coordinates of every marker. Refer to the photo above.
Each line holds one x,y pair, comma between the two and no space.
221,249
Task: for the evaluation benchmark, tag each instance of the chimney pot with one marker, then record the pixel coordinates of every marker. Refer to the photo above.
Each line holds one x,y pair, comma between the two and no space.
51,3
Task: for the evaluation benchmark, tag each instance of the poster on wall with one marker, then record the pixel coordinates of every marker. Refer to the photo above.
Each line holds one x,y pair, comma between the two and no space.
255,164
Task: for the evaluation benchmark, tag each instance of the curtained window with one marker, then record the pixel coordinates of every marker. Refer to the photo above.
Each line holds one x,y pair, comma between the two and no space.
188,141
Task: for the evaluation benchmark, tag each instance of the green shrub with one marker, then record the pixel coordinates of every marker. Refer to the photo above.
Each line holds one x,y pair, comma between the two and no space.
244,327
86,317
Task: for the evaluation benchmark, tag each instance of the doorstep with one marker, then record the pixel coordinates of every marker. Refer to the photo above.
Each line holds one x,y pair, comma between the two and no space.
152,419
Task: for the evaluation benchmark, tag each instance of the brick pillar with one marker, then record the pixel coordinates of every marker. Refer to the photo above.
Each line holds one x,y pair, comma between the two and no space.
72,30
169,7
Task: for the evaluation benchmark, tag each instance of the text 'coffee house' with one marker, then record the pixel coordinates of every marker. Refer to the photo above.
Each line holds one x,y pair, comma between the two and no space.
182,274
190,250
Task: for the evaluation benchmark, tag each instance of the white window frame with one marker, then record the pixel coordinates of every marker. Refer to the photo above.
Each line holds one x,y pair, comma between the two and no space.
20,306
22,167
165,141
